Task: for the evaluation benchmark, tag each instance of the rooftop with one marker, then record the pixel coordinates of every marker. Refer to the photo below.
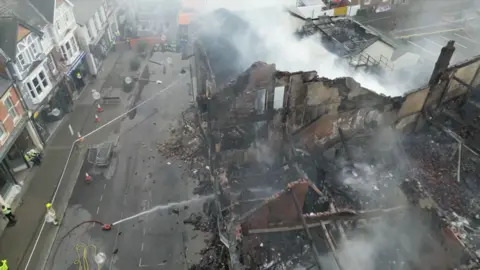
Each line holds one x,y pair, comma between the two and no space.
85,9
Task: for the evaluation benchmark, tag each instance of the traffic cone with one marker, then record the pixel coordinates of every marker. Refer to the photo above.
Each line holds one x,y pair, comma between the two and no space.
88,178
80,138
97,119
99,108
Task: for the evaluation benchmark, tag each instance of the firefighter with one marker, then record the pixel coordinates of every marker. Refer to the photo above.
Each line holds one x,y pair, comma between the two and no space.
33,156
7,212
51,216
4,265
79,78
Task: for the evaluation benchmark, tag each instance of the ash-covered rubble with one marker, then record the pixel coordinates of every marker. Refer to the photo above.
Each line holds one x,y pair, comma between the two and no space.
320,173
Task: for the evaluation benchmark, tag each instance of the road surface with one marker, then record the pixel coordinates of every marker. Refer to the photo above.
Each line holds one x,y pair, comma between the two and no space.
137,179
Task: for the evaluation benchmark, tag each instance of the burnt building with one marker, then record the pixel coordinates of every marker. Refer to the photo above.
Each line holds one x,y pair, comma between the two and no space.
315,173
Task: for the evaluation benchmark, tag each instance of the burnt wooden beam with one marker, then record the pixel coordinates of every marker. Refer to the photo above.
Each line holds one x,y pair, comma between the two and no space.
307,231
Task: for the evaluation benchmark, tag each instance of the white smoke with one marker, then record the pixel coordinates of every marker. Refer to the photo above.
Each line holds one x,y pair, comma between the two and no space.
275,26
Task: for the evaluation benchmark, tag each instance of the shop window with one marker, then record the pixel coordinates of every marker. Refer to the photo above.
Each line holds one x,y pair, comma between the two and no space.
12,111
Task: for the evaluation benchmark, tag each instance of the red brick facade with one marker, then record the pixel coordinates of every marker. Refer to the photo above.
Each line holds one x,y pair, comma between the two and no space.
7,120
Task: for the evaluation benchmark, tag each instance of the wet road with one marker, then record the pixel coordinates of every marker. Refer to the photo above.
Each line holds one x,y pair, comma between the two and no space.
137,179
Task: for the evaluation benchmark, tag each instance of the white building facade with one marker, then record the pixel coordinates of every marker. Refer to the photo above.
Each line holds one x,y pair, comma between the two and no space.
97,30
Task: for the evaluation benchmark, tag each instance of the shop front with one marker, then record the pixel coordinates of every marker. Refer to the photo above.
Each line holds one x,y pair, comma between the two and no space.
13,166
47,118
101,48
78,75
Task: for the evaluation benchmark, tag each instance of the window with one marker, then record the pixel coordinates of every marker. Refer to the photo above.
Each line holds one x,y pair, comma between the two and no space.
66,17
34,47
39,85
91,29
3,132
97,21
69,49
27,51
12,111
103,18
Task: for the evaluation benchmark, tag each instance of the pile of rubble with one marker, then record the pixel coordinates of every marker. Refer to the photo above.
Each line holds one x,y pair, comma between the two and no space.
214,256
185,143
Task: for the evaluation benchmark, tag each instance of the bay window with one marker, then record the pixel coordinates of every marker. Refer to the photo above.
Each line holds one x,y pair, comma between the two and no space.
69,49
39,86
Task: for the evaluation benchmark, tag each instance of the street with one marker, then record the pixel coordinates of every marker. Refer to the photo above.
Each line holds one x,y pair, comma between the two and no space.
430,44
137,179
428,33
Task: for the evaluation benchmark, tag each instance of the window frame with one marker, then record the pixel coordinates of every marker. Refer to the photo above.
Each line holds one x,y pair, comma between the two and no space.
70,52
15,116
3,130
23,51
97,21
38,90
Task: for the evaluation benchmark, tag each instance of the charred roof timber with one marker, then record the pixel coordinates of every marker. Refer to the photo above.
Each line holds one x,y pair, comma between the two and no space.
320,180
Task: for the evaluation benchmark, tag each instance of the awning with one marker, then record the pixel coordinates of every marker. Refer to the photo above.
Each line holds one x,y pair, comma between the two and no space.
74,65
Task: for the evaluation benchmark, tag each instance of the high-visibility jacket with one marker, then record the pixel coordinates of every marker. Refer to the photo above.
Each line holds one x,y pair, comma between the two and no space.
6,210
4,265
29,155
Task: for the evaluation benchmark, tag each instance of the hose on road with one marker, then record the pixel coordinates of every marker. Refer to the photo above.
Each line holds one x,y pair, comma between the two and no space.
82,256
67,234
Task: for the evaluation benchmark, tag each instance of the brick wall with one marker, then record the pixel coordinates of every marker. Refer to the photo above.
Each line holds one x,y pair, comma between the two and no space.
7,120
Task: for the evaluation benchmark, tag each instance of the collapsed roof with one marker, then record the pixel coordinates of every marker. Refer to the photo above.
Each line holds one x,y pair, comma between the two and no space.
320,179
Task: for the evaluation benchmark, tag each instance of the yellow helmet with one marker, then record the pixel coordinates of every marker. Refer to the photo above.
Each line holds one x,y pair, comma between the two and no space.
48,205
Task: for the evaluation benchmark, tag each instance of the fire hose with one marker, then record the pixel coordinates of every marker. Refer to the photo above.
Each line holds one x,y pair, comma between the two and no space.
105,227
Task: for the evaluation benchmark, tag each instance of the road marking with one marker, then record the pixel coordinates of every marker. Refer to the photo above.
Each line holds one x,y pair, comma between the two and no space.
101,197
420,27
428,33
98,209
456,42
104,186
376,19
466,38
71,129
144,231
418,46
141,249
140,263
433,42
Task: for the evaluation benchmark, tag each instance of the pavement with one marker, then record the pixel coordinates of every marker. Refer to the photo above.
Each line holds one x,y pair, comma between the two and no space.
137,179
428,32
17,242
